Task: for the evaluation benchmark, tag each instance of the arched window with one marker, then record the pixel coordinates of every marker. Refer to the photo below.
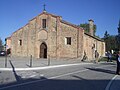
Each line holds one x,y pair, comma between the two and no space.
20,42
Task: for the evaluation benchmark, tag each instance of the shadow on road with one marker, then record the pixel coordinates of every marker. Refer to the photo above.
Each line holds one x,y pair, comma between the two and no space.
28,65
101,70
18,78
76,83
108,63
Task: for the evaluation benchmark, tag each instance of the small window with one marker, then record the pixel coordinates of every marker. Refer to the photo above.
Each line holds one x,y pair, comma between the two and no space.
68,40
93,46
43,23
20,42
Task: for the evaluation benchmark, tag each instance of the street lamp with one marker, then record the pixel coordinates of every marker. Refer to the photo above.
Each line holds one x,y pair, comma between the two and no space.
5,52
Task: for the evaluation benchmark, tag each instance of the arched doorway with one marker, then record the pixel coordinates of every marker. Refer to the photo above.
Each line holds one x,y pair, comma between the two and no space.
43,50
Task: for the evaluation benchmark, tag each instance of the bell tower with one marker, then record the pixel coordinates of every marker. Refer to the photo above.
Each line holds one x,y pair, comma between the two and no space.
91,26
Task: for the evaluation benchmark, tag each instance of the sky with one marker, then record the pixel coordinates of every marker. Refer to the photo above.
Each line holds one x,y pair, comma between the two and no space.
14,14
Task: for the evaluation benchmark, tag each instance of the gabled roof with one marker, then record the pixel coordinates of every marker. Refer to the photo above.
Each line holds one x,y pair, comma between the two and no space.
50,14
8,37
68,23
19,29
99,39
46,13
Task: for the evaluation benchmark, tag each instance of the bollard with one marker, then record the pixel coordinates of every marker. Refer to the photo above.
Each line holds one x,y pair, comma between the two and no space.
31,61
48,60
5,61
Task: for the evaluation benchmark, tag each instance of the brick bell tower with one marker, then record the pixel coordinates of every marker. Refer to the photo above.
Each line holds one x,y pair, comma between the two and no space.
91,26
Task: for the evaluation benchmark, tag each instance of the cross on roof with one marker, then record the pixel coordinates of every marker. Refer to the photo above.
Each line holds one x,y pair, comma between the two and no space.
44,7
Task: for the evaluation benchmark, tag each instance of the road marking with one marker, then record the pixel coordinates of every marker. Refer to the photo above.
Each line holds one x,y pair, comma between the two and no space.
42,75
110,83
32,76
41,68
26,83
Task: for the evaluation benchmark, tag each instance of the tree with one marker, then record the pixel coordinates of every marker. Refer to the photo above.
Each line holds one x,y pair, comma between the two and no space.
118,36
106,37
112,45
85,26
1,45
110,42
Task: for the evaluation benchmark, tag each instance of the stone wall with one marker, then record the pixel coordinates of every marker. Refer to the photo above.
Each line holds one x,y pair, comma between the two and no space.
8,42
75,49
27,40
67,51
33,35
91,44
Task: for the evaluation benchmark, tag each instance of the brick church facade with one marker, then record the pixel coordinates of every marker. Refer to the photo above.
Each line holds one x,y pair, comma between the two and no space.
48,36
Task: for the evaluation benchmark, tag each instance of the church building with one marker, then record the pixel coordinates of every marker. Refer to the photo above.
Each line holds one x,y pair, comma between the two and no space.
49,36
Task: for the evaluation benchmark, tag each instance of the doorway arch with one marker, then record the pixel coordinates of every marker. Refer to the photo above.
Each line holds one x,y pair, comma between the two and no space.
43,50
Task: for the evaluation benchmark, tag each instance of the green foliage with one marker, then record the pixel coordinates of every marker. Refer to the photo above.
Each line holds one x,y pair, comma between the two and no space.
106,35
110,41
103,59
1,45
106,58
0,41
94,28
85,26
118,41
118,36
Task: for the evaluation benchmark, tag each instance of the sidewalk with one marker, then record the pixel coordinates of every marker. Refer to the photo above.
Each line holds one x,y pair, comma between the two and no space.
19,62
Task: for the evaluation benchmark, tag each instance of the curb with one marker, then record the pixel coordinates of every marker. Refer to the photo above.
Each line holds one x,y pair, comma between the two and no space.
40,68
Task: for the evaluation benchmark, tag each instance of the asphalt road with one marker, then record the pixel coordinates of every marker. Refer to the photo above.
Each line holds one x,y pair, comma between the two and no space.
76,77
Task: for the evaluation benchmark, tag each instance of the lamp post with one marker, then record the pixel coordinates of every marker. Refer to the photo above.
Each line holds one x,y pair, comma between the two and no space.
5,52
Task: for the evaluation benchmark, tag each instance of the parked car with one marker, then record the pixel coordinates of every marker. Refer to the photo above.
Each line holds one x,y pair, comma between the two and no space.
2,53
